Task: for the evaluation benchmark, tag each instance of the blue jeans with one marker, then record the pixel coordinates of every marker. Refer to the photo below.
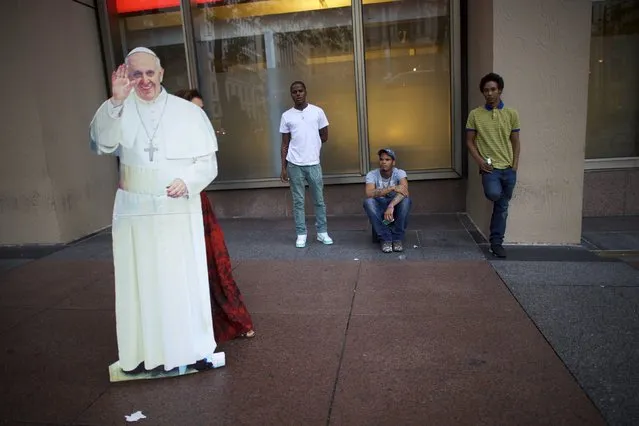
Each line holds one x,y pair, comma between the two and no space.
498,188
298,176
375,208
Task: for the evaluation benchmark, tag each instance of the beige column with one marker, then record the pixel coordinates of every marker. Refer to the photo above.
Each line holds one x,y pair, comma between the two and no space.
52,188
541,48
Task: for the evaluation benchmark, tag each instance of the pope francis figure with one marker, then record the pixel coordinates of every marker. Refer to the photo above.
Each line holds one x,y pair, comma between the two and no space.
167,152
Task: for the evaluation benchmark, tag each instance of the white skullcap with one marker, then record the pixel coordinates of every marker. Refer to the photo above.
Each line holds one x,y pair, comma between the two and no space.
142,50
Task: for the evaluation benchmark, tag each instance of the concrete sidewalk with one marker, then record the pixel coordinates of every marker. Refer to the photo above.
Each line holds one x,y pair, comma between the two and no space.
347,335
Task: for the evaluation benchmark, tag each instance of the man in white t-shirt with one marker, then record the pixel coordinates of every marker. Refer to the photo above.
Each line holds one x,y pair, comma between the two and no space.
304,129
387,204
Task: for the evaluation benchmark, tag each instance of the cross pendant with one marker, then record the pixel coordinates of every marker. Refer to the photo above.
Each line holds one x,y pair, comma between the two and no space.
150,149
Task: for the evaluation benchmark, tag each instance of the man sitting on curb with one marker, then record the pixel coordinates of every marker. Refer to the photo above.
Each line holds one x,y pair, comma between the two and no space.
387,203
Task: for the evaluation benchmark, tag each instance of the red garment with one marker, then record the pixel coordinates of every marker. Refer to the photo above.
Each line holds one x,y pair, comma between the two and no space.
230,316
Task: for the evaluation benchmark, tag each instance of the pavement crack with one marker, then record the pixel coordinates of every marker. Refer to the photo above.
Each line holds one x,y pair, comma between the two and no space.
341,355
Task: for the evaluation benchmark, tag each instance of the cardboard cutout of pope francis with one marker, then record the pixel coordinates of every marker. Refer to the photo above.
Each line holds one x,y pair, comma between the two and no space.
167,149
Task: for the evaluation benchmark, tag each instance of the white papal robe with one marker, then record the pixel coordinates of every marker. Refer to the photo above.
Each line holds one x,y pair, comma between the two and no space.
163,307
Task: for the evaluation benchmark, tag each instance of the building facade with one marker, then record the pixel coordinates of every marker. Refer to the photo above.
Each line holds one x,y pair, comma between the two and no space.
397,73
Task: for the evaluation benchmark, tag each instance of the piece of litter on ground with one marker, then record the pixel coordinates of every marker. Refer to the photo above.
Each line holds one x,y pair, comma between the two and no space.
218,359
402,257
414,246
135,417
356,259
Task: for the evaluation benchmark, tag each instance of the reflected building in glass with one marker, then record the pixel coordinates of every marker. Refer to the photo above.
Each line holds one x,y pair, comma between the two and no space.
382,70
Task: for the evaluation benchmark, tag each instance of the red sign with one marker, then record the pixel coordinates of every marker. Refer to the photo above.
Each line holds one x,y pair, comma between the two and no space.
129,6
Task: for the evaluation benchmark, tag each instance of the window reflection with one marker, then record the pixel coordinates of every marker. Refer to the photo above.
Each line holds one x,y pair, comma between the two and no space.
613,106
249,53
408,81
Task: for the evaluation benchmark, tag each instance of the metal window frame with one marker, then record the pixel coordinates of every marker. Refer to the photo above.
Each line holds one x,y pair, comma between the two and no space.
592,164
456,87
188,34
359,61
108,22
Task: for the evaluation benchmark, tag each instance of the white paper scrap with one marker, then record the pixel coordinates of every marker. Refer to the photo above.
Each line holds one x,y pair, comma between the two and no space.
135,417
218,359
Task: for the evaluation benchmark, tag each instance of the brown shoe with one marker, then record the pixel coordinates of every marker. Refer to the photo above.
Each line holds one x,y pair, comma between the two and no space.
387,247
397,246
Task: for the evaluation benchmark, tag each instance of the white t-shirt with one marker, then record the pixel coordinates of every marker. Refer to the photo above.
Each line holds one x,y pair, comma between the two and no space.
304,126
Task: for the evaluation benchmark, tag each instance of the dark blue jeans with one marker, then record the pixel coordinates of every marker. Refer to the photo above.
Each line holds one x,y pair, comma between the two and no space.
498,188
375,208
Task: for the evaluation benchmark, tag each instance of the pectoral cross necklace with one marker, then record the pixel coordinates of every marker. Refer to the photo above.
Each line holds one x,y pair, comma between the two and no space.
151,149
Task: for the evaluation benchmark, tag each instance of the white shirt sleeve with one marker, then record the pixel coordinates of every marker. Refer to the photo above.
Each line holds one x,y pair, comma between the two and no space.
204,169
106,129
200,174
370,177
322,121
284,125
114,112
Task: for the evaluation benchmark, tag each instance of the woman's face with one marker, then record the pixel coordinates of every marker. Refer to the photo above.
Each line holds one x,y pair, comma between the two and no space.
198,101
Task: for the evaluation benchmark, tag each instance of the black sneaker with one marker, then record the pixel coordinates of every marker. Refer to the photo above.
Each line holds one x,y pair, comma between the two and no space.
137,370
498,250
202,365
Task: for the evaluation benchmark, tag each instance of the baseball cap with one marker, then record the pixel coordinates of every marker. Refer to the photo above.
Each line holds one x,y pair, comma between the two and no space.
387,151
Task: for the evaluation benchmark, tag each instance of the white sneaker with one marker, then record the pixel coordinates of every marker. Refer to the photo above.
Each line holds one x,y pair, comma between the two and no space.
301,241
323,238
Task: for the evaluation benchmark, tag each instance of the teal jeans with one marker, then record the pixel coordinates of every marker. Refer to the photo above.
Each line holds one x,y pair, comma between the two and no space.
298,176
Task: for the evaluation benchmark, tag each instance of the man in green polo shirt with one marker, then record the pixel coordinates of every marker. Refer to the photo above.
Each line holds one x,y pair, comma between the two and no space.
492,136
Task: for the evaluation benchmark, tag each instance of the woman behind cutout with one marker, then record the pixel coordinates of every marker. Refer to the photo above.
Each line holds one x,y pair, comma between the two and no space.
231,319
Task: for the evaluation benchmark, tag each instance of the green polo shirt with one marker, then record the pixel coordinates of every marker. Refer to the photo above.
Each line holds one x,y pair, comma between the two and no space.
493,127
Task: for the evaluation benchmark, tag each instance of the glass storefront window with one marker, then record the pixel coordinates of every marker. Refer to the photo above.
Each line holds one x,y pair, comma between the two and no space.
248,54
407,47
381,73
613,105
